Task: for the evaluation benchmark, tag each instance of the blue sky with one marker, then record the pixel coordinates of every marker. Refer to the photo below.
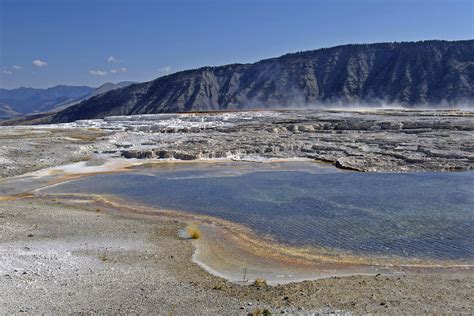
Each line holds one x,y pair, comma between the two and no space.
48,42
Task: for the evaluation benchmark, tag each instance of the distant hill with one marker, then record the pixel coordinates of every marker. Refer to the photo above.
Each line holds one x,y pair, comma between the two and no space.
407,73
30,100
6,111
106,87
23,101
427,73
109,86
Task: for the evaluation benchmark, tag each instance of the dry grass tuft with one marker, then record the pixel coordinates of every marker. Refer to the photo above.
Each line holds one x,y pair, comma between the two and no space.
217,287
193,231
260,282
103,256
260,312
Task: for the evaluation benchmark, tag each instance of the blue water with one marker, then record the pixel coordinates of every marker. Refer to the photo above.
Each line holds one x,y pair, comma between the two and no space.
421,215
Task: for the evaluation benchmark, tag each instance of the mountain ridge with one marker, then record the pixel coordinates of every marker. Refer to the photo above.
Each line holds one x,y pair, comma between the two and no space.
28,101
6,111
405,73
103,88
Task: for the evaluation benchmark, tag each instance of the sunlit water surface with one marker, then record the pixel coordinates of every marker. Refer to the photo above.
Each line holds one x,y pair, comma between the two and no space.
416,215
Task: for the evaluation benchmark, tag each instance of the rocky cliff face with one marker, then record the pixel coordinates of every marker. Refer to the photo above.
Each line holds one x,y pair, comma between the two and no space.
410,74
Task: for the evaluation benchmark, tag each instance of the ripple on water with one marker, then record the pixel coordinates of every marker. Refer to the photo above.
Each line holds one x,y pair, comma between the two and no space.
413,215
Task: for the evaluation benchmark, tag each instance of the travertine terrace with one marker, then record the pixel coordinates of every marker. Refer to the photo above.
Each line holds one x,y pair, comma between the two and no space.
390,140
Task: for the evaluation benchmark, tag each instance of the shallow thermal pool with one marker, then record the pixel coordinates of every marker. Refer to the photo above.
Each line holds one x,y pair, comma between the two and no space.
414,215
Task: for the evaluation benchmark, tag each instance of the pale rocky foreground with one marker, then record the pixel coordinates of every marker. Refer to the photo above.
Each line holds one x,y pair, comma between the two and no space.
365,140
62,259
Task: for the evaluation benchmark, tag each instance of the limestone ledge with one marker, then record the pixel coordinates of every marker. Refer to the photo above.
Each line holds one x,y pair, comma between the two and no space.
371,141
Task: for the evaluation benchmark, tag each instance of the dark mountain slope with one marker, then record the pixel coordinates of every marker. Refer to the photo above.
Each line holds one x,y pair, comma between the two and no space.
412,73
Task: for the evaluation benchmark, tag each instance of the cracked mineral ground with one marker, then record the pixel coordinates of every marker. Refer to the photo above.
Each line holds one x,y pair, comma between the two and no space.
390,140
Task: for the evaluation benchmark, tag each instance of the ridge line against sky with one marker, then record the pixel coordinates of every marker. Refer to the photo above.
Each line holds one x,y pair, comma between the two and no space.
44,43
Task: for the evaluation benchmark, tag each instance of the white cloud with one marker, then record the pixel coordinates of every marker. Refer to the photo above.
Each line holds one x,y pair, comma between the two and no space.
97,72
117,70
113,60
164,71
40,63
11,69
